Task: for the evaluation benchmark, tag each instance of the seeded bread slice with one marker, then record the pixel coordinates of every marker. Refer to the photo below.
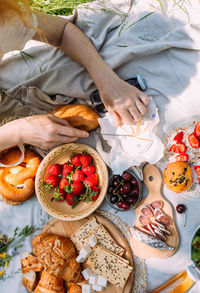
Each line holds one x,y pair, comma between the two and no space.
78,238
106,264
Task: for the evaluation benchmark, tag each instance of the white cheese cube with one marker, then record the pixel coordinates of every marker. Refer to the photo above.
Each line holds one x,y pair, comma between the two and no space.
87,288
85,251
80,259
98,288
93,240
101,281
93,279
87,273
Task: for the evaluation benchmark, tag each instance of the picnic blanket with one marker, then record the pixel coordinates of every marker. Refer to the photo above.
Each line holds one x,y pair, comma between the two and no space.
134,37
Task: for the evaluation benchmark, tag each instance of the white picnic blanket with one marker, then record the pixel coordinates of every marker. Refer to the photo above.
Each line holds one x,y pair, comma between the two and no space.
163,47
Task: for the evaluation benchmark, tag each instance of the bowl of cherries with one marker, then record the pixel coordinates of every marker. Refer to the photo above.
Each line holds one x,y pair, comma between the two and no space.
124,191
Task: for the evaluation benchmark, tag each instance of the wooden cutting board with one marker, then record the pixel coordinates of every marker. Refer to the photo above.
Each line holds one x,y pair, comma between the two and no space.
153,182
64,228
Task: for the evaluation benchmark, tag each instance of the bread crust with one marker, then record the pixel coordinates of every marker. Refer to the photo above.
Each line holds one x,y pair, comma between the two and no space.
79,116
24,174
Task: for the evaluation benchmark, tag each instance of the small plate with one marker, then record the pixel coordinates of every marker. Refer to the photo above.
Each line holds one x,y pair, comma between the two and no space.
61,210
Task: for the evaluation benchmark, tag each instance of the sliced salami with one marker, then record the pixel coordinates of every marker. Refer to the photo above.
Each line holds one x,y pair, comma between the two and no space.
151,230
145,210
162,218
143,220
143,229
158,204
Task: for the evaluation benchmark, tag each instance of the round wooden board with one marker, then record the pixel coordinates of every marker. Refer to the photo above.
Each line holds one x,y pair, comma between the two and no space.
64,228
153,181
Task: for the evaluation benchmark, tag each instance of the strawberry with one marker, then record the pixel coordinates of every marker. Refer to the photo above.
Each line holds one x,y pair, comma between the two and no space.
70,199
86,159
95,189
54,169
91,194
50,181
182,158
78,176
91,180
197,169
75,160
194,141
197,129
78,188
58,195
63,183
88,170
179,148
179,137
67,169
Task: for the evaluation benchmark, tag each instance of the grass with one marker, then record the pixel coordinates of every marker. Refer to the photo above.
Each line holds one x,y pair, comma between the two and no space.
57,7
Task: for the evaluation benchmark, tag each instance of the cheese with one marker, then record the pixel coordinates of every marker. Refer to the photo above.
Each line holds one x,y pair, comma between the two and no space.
101,281
87,273
78,238
80,259
85,251
87,288
98,288
93,240
93,279
109,266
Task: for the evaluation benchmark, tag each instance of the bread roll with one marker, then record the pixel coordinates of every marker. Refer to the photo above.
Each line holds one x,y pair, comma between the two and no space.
49,284
72,271
29,280
79,116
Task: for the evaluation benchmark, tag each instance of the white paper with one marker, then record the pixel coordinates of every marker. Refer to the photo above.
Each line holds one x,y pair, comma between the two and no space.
143,146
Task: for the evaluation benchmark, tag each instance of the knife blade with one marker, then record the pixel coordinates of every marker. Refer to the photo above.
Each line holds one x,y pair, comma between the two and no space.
148,240
114,134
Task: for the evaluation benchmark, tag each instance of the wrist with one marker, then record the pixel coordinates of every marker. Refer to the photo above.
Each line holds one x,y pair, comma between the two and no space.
12,133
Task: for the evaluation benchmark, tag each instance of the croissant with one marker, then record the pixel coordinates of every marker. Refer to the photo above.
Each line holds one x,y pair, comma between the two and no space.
30,262
49,284
80,116
75,289
22,175
72,271
29,280
53,252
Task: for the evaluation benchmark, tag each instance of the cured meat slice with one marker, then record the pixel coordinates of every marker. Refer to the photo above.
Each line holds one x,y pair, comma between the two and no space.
160,234
146,211
158,204
143,229
151,230
143,220
161,227
162,218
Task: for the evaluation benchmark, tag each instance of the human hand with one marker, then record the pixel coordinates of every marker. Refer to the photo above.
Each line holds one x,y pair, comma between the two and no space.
123,101
44,131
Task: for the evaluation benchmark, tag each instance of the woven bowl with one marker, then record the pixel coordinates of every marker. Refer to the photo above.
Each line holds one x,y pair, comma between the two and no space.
62,210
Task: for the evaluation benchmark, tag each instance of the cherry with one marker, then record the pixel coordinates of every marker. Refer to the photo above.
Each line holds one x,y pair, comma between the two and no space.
135,191
181,208
114,199
115,183
111,189
134,182
126,176
126,188
121,190
131,200
117,177
125,206
119,204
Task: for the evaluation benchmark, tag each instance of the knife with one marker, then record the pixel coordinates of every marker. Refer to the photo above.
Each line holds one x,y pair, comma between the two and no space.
148,240
114,134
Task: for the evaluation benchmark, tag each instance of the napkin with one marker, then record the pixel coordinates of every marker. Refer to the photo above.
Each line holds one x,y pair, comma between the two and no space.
142,146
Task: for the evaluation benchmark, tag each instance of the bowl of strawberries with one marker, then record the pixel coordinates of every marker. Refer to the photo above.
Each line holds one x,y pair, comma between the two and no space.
71,181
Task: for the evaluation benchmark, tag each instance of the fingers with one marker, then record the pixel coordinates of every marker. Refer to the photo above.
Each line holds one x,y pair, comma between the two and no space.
70,131
58,120
144,98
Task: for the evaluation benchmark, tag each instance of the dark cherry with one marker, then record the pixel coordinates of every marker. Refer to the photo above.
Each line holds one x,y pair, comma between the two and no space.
126,176
117,177
126,188
181,208
134,182
125,206
131,200
115,183
119,204
111,189
121,190
125,196
114,198
135,191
